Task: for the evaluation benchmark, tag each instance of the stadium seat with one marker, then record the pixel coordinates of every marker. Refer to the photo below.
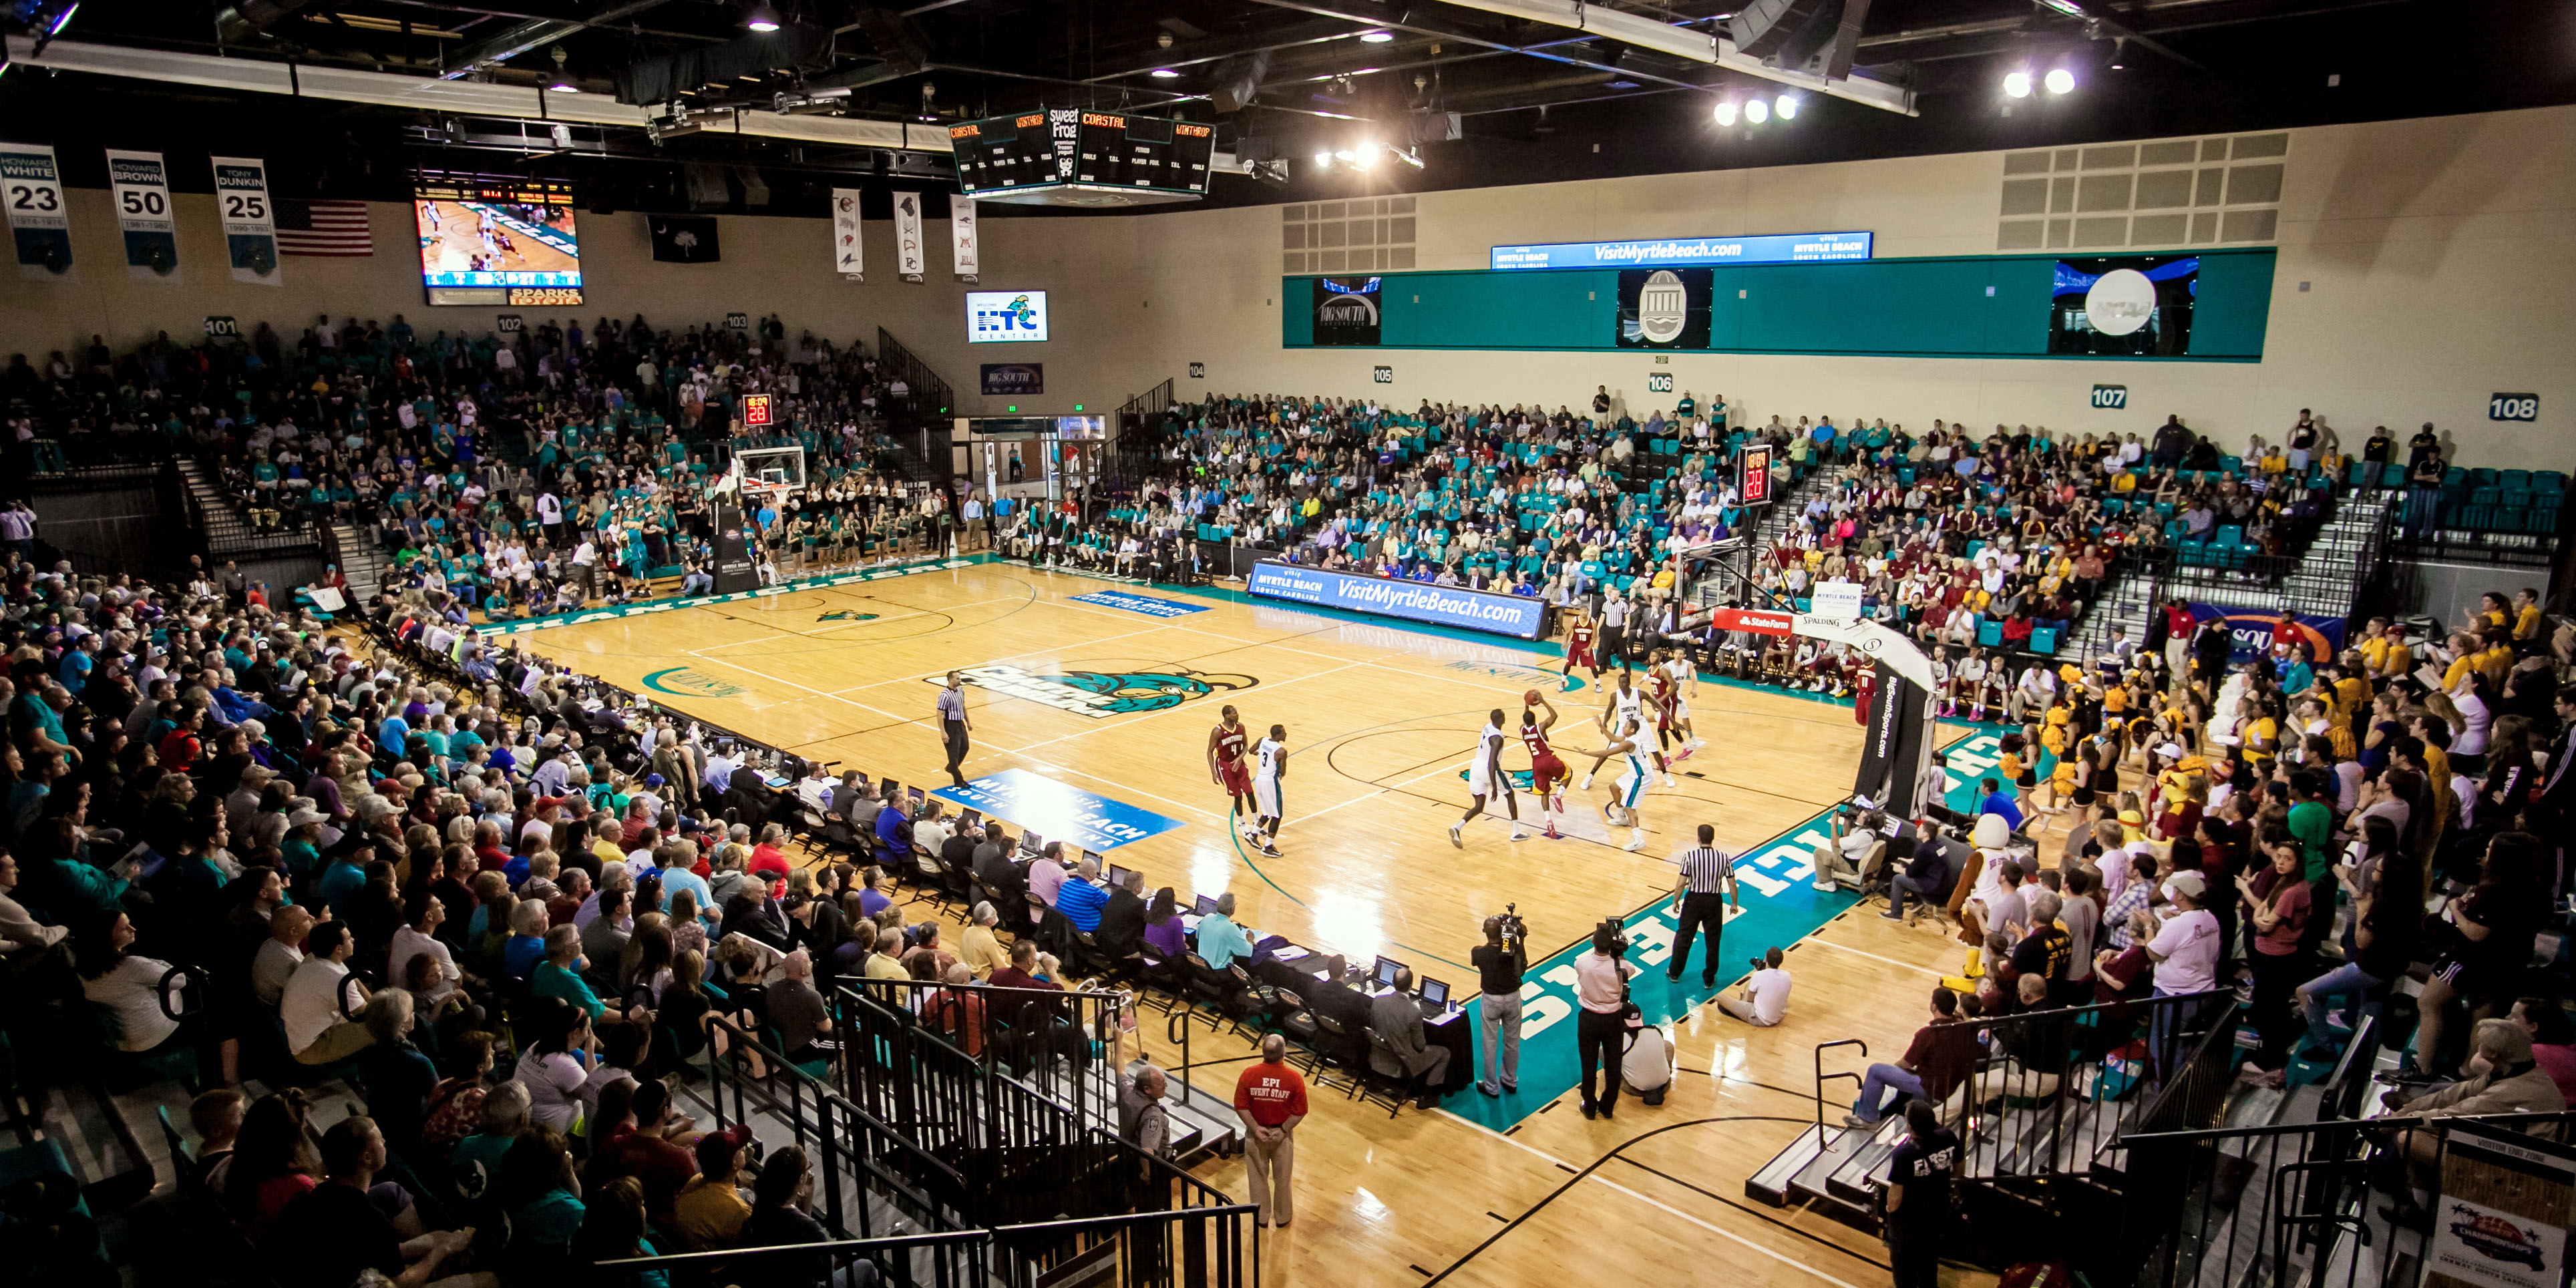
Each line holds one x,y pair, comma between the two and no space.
1990,633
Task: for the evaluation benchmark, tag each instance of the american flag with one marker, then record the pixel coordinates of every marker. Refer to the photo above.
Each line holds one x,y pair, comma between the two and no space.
336,229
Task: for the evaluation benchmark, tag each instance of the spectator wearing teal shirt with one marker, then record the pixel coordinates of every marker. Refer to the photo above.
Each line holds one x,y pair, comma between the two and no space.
560,974
344,874
1221,944
77,661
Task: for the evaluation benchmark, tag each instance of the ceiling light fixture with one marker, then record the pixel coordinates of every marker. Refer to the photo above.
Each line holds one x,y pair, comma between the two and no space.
1376,37
2017,83
561,81
2119,53
2068,7
1725,112
761,18
2060,80
1324,160
1163,73
1367,153
1785,107
1756,111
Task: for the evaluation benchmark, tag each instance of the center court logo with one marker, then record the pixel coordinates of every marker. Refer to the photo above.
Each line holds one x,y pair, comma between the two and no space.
680,681
1098,694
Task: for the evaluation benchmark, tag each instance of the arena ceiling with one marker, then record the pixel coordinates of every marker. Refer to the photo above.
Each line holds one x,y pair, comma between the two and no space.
1479,92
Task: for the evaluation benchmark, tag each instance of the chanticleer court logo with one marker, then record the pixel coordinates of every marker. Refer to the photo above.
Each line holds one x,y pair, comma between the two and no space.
682,682
1099,694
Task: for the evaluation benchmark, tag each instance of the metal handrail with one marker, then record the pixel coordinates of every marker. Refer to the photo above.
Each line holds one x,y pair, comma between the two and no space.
1822,1077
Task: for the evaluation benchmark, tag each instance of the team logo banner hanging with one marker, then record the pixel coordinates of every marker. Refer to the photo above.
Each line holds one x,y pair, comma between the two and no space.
848,257
961,237
31,185
140,184
908,257
250,225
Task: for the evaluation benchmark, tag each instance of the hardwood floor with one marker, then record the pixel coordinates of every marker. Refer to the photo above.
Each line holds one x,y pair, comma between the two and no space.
1380,722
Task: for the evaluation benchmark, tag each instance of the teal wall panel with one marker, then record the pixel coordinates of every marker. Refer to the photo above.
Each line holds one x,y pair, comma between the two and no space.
2233,305
1965,307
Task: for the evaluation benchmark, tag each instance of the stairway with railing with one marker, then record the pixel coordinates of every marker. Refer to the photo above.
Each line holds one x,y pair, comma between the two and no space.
1008,1191
2044,1109
2322,574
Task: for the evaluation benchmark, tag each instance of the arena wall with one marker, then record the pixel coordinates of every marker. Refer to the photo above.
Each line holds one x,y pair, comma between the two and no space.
2423,265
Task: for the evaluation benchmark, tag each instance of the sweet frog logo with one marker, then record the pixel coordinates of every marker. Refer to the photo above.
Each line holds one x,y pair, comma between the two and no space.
2495,1238
1099,694
680,681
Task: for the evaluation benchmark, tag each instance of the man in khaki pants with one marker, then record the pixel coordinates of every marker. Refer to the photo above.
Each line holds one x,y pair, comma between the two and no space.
1271,1100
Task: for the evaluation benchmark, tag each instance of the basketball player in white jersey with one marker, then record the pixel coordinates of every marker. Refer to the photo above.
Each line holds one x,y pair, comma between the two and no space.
1635,775
1272,765
1485,779
1626,709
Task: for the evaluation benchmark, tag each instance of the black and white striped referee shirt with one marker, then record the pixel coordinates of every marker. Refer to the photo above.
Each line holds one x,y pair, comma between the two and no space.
1709,870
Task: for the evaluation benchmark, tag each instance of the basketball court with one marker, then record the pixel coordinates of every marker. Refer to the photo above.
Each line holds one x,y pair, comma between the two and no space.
1103,694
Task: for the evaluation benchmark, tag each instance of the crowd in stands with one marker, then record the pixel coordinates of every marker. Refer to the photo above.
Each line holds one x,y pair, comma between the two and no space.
2308,831
508,904
521,474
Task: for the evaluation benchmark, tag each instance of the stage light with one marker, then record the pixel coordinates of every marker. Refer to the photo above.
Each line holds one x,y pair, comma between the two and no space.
1324,160
1163,73
1347,157
1757,111
1367,154
1376,37
761,18
1725,112
2060,80
1785,107
2017,84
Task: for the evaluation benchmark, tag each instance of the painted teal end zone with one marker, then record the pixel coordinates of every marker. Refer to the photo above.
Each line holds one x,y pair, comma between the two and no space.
1931,307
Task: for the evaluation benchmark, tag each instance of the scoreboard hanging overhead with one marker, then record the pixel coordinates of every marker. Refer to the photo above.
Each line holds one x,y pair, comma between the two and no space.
1062,156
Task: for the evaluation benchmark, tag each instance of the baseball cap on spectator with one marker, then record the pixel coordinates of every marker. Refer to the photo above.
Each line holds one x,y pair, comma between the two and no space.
2186,882
716,1149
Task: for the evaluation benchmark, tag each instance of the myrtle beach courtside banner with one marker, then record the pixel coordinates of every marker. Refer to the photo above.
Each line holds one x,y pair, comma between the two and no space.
250,224
31,186
140,185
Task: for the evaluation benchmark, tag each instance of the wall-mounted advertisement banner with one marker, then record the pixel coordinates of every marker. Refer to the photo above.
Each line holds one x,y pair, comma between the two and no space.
962,237
849,258
1663,308
1677,252
1439,605
31,186
140,185
2507,1201
250,224
1346,310
2319,639
1014,378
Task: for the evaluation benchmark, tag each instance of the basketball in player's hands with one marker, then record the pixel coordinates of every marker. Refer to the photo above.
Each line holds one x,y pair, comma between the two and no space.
1529,697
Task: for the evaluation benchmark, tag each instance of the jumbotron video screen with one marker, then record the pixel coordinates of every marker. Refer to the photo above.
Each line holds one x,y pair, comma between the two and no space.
517,235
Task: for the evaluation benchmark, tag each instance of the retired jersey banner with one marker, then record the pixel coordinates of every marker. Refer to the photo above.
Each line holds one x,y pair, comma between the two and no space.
250,223
140,186
909,259
31,186
849,258
961,237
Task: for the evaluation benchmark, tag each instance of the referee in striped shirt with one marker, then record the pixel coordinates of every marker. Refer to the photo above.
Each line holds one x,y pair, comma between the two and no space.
1706,888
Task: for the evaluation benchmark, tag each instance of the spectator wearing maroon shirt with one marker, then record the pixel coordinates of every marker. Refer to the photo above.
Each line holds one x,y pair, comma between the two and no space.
1939,1058
644,1150
1271,1100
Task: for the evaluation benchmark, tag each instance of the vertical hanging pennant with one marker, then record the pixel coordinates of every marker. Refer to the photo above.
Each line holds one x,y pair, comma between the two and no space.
31,186
908,257
961,236
250,226
847,255
140,184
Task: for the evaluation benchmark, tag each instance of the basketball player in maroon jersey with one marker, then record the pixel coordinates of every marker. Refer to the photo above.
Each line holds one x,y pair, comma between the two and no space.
1227,767
1547,773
